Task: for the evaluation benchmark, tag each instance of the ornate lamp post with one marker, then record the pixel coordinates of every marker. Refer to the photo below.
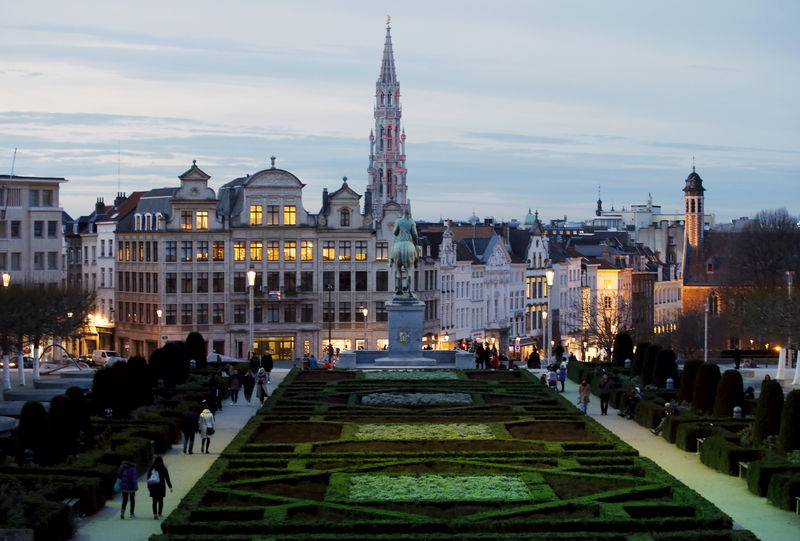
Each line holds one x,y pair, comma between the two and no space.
365,312
329,288
705,335
6,370
6,279
159,313
251,284
549,275
545,343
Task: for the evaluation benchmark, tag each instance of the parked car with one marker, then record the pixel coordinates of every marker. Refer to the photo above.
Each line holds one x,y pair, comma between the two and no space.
27,362
12,361
102,357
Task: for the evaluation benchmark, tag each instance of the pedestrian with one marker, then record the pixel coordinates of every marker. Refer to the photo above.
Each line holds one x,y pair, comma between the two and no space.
214,389
248,383
267,364
157,483
254,363
234,384
206,429
558,351
486,357
749,393
670,409
632,399
478,356
562,374
552,379
737,358
604,387
583,395
261,385
312,361
534,360
190,424
130,484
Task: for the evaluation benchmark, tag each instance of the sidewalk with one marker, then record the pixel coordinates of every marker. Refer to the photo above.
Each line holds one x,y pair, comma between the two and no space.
730,494
184,471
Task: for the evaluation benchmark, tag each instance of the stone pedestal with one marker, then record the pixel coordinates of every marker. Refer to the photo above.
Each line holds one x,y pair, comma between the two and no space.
405,327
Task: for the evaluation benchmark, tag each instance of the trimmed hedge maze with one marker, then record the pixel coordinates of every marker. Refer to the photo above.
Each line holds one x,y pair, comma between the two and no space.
471,455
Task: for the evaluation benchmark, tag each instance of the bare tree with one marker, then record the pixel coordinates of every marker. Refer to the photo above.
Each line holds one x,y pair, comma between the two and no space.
602,317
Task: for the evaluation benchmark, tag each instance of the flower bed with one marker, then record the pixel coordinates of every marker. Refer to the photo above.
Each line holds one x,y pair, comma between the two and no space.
406,375
417,399
424,431
429,488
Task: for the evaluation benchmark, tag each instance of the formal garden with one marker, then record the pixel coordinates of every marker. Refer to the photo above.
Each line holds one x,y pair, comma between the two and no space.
435,455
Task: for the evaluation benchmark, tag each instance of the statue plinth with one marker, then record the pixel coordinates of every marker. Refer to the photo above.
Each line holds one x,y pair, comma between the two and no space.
405,326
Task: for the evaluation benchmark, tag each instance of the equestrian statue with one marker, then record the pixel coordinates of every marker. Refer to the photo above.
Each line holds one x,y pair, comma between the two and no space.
403,255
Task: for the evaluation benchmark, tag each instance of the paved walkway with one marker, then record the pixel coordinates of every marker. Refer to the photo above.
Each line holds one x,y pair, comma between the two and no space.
184,471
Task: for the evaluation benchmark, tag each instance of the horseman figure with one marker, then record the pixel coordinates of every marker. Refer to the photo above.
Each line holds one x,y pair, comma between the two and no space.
404,255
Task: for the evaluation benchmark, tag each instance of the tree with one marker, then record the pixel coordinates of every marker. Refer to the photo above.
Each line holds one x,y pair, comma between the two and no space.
623,349
638,358
688,377
768,411
170,363
705,388
64,428
789,437
665,368
649,363
32,433
730,394
196,347
603,317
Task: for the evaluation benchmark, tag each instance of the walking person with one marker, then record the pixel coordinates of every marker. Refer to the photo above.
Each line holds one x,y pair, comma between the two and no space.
478,356
562,374
157,483
130,484
248,383
552,379
206,429
190,424
234,384
604,387
254,362
583,395
267,364
261,385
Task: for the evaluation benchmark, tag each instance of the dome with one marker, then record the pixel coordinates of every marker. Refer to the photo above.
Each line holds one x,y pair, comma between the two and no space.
694,183
530,218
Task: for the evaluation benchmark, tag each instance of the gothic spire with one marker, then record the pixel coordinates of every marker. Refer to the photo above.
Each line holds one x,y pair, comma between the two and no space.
388,74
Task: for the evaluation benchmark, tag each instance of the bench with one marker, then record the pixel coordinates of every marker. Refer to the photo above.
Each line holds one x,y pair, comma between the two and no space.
73,504
743,467
700,444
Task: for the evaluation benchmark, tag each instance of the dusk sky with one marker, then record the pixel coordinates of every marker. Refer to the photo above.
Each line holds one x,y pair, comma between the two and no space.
507,104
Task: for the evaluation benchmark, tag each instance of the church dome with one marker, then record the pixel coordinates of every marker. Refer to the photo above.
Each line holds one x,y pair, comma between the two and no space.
530,218
694,183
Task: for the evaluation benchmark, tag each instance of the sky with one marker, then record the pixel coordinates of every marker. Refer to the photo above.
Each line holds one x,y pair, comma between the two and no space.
507,105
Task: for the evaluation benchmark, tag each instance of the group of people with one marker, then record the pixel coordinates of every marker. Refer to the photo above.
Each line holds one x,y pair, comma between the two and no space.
488,357
157,482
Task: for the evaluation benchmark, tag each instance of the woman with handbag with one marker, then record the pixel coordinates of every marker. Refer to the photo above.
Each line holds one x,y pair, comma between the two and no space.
157,482
206,428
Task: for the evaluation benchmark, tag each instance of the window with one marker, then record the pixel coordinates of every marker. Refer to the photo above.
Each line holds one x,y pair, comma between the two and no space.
240,313
382,250
273,281
327,312
155,282
290,215
307,250
148,222
328,250
380,311
273,314
33,198
218,282
159,221
344,218
273,250
344,281
239,253
146,251
38,229
361,250
186,282
3,226
256,250
328,280
186,219
306,313
256,214
38,261
344,250
201,219
290,281
3,260
186,250
361,280
272,215
141,251
128,251
202,282
186,314
202,250
382,280
307,281
219,312
47,198
171,315
52,260
344,311
289,313
238,282
16,261
15,229
170,252
290,250
137,222
218,250
202,314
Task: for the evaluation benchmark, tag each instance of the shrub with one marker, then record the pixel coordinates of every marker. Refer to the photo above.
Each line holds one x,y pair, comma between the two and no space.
761,471
32,432
768,411
170,364
141,381
649,364
783,489
722,455
110,389
648,413
64,428
81,408
623,349
730,394
665,368
638,358
789,435
688,377
705,387
196,348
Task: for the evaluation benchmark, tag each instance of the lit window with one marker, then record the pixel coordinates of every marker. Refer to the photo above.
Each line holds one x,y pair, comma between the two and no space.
361,250
382,250
272,215
289,215
328,250
186,250
307,250
273,250
256,250
218,250
239,253
256,217
202,250
290,250
344,250
201,219
186,219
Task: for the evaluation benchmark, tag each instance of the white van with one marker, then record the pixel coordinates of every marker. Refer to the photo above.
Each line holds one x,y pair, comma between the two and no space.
102,357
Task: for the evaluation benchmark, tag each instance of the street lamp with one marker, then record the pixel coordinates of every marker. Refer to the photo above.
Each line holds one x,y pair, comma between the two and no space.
549,275
329,288
6,370
6,279
705,335
517,350
251,284
544,338
159,313
365,312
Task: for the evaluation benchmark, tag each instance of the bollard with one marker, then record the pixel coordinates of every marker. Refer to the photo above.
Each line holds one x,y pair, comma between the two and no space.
627,363
737,412
670,384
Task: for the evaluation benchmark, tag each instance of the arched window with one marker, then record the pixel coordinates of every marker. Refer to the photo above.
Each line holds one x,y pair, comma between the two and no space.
137,222
148,222
713,303
344,218
159,222
692,205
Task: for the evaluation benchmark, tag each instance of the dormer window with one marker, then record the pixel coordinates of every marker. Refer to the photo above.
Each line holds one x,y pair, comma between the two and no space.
148,222
186,219
344,218
137,222
159,221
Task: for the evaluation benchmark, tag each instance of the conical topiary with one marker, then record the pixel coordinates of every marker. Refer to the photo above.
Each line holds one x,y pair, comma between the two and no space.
623,349
705,388
688,376
196,347
789,436
638,358
768,411
730,394
665,368
649,363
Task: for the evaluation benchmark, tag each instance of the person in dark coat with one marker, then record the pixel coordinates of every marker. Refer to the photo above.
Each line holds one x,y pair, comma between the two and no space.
486,355
130,484
254,363
478,356
605,387
558,352
737,357
158,488
234,384
267,364
534,361
189,426
249,383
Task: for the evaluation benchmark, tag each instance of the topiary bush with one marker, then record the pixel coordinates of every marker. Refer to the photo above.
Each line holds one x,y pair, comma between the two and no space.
111,389
687,379
649,364
705,388
789,436
665,368
64,429
768,411
623,349
638,358
783,489
730,394
196,348
141,381
32,432
170,364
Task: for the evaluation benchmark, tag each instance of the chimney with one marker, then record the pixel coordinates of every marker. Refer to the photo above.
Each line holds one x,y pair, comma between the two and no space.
325,200
121,198
99,206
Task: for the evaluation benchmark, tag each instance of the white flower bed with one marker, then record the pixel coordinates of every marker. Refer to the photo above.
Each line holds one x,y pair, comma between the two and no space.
410,375
417,399
428,488
424,431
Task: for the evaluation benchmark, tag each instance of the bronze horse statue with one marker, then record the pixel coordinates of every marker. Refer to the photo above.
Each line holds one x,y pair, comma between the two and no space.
403,255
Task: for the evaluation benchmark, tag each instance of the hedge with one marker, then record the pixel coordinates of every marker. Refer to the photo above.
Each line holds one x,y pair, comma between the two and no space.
724,456
649,364
730,394
638,358
761,471
623,349
783,489
789,436
648,413
688,376
705,388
